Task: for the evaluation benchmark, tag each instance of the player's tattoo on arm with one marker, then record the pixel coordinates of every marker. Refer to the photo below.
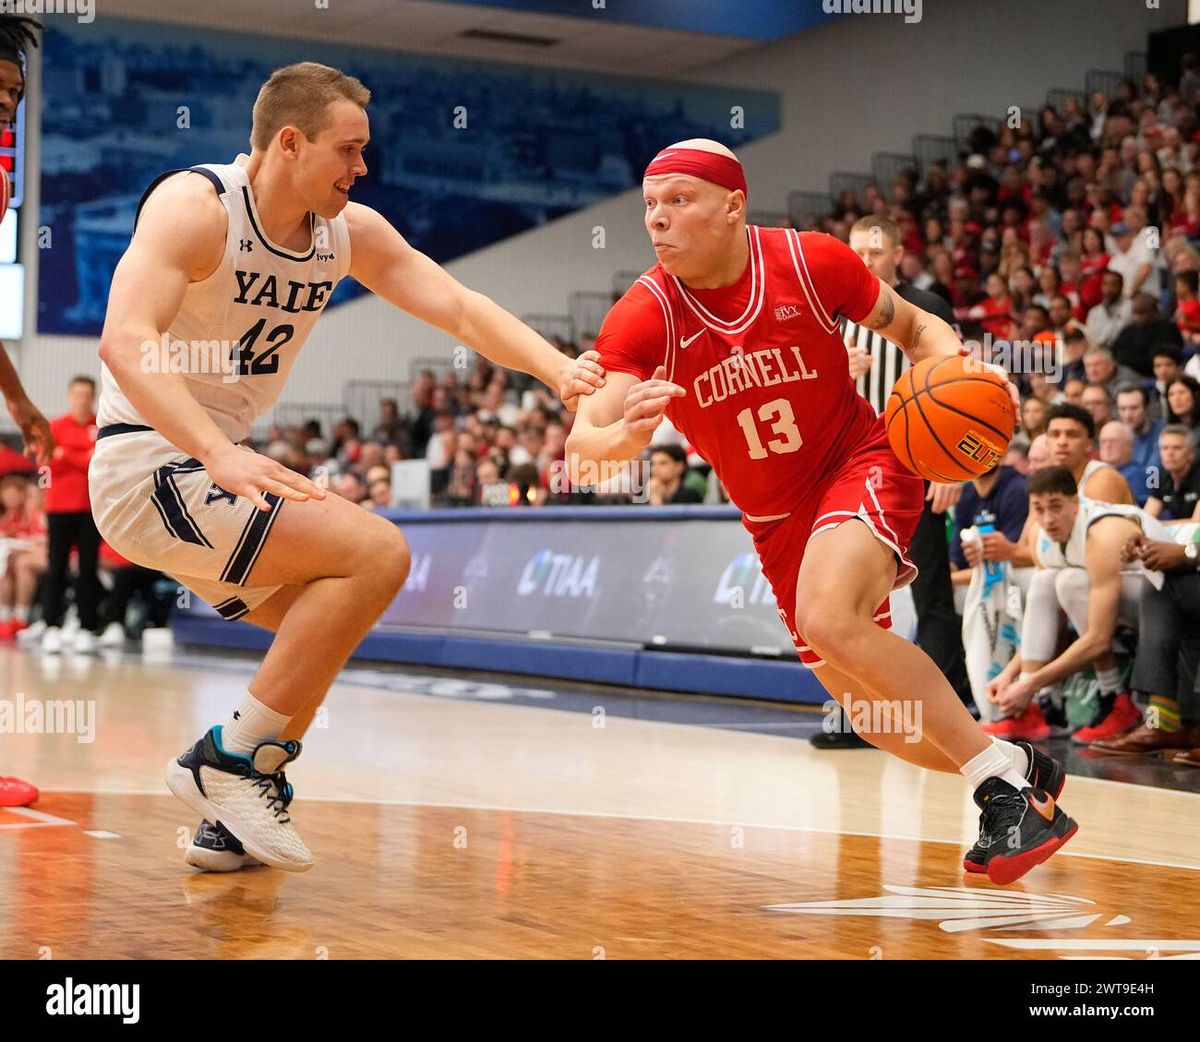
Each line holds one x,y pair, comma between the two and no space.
916,340
888,313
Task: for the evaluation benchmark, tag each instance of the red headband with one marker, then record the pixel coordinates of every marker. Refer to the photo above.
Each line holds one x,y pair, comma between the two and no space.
708,166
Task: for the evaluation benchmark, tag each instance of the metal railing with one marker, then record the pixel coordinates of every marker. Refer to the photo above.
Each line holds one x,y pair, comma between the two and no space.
934,148
847,182
808,209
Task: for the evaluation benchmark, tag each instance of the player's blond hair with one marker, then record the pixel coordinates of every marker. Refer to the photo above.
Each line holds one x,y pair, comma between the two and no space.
299,96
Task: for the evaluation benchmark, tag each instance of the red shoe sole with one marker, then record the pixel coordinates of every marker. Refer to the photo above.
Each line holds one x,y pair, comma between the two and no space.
974,869
1003,871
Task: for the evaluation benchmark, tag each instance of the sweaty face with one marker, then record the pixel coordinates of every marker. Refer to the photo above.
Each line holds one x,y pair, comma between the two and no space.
688,223
1068,442
330,163
1055,512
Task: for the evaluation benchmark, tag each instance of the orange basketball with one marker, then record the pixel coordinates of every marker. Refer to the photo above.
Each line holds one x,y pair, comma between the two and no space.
949,419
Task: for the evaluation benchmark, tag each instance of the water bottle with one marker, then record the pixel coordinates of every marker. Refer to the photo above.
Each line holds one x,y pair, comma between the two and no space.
993,571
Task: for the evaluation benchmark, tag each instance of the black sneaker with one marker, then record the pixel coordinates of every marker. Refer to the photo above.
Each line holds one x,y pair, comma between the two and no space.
839,740
215,849
842,736
1044,773
1021,828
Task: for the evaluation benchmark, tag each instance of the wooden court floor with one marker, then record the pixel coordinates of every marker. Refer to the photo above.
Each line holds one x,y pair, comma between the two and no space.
448,828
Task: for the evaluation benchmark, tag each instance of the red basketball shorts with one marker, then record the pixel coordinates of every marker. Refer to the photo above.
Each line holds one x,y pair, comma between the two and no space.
870,485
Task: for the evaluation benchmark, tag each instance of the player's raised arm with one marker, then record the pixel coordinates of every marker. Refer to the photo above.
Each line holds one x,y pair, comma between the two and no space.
179,239
383,261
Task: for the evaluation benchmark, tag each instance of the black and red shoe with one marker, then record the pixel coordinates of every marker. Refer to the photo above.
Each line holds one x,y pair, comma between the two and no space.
1044,772
1115,717
1021,829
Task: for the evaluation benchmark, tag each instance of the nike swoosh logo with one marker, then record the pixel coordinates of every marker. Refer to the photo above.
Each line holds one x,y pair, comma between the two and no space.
684,341
1043,804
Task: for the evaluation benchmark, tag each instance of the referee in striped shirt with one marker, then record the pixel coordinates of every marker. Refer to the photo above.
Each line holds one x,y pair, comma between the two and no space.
876,364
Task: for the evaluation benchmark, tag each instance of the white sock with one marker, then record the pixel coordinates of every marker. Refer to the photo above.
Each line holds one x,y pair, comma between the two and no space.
5,612
993,762
1109,679
1019,757
21,613
251,723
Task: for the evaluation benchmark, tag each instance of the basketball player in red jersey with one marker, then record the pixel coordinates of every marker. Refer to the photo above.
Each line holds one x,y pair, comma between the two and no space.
733,335
17,32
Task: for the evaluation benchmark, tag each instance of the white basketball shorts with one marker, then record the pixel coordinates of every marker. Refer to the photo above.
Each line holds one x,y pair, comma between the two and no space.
160,509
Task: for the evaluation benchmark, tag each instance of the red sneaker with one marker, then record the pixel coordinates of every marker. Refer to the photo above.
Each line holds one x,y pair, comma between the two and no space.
1122,717
16,793
1030,725
7,632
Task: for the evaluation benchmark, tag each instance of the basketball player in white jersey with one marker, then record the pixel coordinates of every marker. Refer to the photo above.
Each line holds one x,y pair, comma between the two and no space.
247,255
16,33
1077,545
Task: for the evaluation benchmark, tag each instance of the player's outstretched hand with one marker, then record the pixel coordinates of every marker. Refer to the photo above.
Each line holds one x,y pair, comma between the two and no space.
582,375
250,474
645,404
35,430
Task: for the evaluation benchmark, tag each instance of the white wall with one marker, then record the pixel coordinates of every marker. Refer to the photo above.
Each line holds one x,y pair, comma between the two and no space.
856,85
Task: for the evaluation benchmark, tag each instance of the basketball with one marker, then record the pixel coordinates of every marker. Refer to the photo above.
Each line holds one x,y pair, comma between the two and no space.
949,419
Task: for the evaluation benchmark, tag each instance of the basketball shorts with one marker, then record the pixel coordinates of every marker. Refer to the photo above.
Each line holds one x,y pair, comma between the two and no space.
871,486
160,509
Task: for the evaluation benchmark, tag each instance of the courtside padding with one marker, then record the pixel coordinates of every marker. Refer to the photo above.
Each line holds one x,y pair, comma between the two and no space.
666,598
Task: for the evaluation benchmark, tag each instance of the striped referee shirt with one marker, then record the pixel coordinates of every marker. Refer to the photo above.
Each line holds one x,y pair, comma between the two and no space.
889,362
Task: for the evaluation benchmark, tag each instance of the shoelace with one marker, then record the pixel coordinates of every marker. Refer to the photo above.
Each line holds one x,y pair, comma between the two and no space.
276,790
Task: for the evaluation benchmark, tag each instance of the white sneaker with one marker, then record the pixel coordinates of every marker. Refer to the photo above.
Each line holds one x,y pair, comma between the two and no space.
32,634
52,640
113,636
248,795
84,642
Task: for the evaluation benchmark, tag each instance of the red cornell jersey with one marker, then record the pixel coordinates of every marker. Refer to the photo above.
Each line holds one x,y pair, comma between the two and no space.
770,402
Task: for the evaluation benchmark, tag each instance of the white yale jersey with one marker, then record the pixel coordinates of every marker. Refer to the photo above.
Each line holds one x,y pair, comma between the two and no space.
239,331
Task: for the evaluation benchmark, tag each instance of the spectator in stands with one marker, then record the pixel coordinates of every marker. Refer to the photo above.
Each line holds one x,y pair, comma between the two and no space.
1168,364
69,521
1101,369
390,426
1135,345
380,492
1097,400
1166,666
23,536
1112,314
1033,416
1072,392
1175,490
350,486
666,487
1116,449
1183,406
489,489
1133,410
1062,316
999,495
1074,347
1187,307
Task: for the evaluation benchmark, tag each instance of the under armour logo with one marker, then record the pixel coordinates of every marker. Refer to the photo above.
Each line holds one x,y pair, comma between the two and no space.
246,245
216,492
